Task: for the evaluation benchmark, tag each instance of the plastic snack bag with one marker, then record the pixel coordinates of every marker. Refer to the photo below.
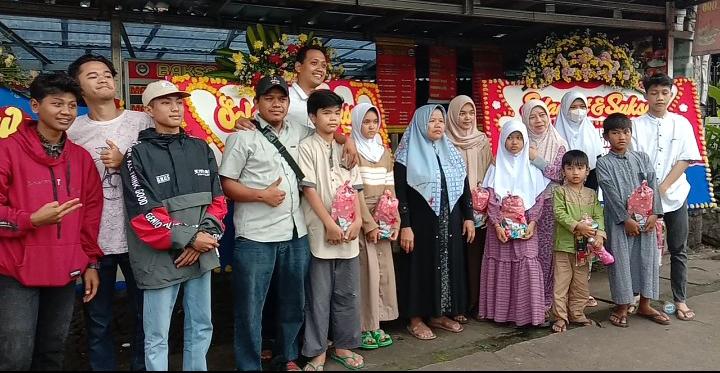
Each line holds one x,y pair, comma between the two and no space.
480,198
343,206
605,257
512,213
386,214
640,204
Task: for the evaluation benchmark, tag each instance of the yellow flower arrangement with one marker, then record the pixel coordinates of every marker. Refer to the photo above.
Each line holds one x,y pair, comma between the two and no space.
580,57
11,74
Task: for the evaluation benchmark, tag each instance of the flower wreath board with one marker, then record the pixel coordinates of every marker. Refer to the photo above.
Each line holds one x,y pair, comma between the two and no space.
215,105
501,101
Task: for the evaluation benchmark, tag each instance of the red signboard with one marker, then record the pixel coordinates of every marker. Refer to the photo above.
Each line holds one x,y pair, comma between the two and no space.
443,73
159,70
396,81
487,64
707,29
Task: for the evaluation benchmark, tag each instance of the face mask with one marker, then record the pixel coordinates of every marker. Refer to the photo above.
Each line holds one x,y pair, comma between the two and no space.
577,115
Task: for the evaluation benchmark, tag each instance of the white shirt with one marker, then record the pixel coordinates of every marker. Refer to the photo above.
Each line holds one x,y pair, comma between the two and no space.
251,160
667,140
91,135
297,112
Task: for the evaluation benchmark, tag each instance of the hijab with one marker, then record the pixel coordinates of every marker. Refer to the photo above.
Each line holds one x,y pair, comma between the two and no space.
370,149
549,142
580,135
420,156
472,144
512,173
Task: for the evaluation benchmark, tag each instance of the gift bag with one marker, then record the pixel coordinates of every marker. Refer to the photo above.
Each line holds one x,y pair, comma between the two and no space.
386,214
512,217
343,206
480,197
605,257
640,204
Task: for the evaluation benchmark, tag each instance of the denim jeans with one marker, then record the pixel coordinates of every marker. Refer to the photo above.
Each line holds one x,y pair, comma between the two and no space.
34,324
99,316
255,266
158,305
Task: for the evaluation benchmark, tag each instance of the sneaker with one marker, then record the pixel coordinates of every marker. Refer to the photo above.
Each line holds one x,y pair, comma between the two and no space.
290,366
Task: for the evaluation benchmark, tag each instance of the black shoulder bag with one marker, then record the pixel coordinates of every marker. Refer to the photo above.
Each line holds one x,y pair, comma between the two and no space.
267,132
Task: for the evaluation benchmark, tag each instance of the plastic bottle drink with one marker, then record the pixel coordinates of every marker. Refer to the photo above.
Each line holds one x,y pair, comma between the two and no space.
669,308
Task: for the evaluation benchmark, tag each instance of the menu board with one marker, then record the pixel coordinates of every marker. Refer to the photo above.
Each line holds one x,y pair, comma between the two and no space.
396,80
443,73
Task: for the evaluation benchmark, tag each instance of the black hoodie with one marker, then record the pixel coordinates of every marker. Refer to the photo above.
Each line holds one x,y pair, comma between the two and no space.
172,190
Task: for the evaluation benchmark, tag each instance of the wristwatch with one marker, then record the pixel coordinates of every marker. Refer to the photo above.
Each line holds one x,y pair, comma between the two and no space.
95,266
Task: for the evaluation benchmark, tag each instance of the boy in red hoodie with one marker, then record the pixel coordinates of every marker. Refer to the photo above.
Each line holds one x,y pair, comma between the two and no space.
50,205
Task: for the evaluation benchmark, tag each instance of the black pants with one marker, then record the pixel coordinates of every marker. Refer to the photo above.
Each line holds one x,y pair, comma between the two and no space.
34,324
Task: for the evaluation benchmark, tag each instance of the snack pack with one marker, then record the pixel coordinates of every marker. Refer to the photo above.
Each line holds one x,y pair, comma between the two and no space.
343,206
640,204
480,198
386,214
512,217
605,257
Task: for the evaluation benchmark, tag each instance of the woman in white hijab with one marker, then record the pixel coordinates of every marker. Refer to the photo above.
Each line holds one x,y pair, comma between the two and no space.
475,149
547,148
511,278
574,126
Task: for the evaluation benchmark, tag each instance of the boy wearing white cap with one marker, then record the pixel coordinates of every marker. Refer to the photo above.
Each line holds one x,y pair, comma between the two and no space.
175,208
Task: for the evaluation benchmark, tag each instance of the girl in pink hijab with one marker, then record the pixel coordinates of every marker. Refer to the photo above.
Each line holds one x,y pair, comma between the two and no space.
547,148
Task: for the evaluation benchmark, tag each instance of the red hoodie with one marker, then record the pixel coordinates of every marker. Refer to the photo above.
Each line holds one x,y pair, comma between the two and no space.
51,255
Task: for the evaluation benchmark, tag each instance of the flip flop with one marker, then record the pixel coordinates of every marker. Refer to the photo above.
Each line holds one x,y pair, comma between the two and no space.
592,302
343,360
620,321
683,315
383,339
414,332
368,341
660,318
442,326
461,319
559,326
310,367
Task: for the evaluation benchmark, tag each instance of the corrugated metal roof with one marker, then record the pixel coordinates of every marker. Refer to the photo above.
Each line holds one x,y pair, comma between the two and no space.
62,41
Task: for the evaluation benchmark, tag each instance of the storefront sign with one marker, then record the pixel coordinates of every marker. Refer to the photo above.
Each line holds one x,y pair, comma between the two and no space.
216,105
141,72
443,73
707,29
501,101
396,81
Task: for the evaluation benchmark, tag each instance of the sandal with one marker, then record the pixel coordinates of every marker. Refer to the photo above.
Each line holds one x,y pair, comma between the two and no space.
343,360
445,325
619,321
683,315
461,319
584,322
383,339
559,326
659,317
414,331
591,302
368,341
310,367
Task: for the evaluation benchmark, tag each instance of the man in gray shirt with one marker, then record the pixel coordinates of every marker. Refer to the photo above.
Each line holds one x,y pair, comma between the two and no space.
270,232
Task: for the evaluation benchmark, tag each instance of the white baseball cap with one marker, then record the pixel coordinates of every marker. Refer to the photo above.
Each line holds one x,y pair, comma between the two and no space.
161,88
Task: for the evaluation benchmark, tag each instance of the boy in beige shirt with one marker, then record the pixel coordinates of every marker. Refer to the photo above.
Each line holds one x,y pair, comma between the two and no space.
333,286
